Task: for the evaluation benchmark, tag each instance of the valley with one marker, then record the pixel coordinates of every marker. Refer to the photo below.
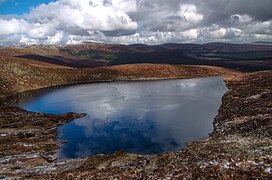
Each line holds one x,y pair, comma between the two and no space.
239,147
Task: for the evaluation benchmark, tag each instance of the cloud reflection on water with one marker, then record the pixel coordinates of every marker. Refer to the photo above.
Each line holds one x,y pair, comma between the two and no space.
138,117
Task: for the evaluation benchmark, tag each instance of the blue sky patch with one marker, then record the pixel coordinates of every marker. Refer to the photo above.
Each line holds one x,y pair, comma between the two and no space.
19,7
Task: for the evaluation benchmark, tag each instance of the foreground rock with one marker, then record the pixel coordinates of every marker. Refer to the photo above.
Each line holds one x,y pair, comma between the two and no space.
28,140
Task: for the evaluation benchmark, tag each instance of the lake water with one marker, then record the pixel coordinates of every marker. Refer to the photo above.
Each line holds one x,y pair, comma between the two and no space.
137,117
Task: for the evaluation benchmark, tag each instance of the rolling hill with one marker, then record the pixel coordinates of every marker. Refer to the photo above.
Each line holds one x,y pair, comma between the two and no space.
242,57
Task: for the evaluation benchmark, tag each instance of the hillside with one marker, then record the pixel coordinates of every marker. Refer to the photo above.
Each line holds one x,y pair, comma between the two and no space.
239,146
17,75
243,57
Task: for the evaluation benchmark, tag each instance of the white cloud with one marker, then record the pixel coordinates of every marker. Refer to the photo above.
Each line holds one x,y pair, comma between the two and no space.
85,14
191,34
241,19
13,26
260,27
190,13
217,33
135,21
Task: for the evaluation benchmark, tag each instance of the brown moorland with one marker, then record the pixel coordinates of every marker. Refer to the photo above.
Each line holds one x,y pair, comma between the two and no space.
239,147
243,57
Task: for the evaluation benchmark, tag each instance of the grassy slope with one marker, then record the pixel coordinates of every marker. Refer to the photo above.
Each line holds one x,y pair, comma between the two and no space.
17,76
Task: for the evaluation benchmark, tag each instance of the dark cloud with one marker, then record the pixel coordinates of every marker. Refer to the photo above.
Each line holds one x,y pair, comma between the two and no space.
221,9
141,21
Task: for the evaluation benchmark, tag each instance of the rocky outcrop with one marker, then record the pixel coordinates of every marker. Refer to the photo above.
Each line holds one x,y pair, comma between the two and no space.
28,139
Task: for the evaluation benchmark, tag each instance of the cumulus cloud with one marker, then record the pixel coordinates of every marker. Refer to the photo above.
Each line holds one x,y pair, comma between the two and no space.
85,15
140,21
13,26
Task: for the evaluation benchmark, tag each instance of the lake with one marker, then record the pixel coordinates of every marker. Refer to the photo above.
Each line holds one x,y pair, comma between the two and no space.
144,117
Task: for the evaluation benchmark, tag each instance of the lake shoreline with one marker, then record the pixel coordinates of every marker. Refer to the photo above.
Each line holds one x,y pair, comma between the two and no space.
11,99
140,111
232,150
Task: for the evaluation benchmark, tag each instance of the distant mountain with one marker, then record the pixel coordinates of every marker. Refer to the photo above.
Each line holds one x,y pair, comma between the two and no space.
263,42
244,57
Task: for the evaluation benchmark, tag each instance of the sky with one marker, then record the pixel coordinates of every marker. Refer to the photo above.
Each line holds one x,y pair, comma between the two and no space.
19,7
134,21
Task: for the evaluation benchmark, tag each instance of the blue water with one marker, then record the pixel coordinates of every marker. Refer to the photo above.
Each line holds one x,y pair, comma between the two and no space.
137,117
